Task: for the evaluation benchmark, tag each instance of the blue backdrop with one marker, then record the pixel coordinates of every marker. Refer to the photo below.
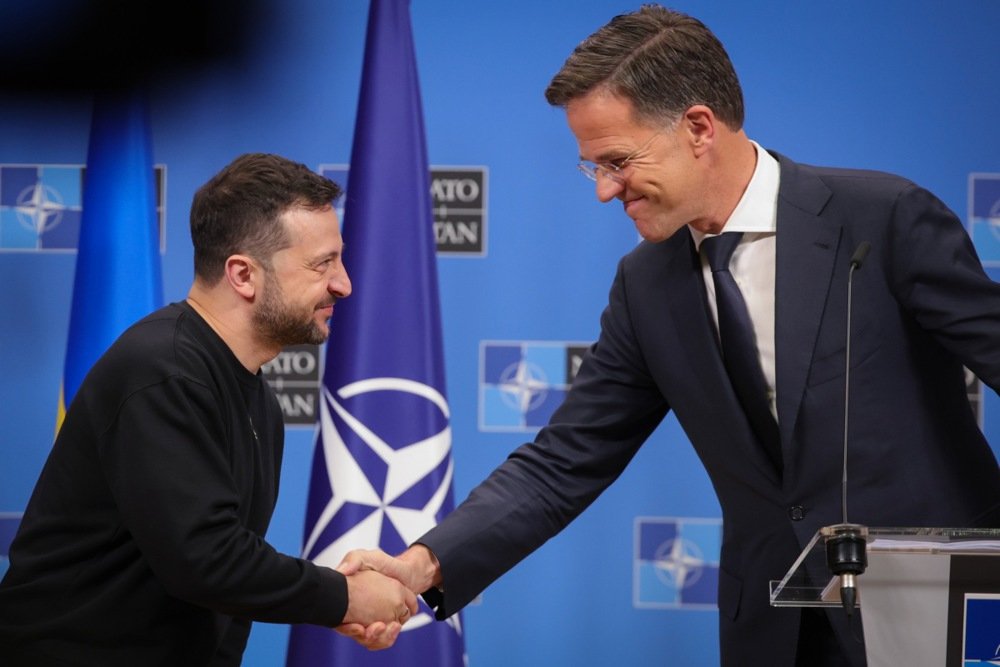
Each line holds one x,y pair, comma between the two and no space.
904,86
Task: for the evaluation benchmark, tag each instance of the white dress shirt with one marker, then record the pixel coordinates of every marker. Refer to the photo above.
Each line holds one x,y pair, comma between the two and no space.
752,264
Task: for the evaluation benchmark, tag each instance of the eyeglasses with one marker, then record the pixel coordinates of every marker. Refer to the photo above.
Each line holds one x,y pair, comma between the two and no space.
612,170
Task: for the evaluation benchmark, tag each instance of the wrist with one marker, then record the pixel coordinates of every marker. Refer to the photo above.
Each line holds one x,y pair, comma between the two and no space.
424,566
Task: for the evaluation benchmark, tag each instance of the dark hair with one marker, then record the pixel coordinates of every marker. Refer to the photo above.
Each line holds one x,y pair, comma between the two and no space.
661,60
238,211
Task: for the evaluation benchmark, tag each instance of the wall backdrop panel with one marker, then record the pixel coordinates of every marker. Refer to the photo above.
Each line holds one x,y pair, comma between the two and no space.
904,86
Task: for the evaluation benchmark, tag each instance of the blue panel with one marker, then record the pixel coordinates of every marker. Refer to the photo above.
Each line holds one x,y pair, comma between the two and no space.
15,235
652,534
14,181
65,235
498,410
66,181
550,359
497,359
539,416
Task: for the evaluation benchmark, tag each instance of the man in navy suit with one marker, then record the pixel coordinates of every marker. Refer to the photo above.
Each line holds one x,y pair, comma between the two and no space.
657,112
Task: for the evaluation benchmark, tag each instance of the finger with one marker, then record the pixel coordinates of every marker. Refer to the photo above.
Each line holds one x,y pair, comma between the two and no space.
361,559
411,602
403,615
355,631
351,563
381,637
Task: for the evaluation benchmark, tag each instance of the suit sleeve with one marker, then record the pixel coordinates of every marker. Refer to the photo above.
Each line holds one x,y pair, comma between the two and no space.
941,282
609,412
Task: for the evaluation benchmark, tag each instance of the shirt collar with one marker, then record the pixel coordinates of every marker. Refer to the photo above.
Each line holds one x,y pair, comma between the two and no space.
757,210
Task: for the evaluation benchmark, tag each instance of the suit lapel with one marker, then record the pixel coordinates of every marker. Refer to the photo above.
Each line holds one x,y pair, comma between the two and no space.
682,287
806,246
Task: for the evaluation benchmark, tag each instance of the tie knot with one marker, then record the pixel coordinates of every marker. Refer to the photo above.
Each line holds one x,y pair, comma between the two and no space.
718,249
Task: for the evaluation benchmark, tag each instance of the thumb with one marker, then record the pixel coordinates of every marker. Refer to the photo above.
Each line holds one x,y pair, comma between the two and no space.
364,559
352,562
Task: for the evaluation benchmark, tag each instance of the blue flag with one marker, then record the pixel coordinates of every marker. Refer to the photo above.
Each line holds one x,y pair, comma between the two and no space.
382,467
117,277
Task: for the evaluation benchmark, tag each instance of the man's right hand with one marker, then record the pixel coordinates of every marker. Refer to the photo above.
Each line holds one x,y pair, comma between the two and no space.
377,607
374,597
417,567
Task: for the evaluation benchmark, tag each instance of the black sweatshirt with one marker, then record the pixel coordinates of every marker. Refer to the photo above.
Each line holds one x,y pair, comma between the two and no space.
143,541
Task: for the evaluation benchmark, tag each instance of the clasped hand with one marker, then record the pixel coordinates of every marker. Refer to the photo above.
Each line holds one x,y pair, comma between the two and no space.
381,597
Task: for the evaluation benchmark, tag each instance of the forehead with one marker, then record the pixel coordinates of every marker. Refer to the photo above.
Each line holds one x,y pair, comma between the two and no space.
604,124
312,231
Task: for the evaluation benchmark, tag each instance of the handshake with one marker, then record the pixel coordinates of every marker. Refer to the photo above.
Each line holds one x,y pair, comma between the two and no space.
382,592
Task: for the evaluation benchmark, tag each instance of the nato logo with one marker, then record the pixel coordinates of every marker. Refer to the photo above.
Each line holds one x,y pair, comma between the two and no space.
981,645
984,216
384,483
676,563
522,383
294,377
459,205
9,521
41,207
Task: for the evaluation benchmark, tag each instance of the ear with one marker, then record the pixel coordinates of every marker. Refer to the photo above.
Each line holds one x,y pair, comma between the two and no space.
699,125
241,274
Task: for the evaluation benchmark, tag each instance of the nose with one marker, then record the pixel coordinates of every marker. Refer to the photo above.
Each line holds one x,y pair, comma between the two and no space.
607,188
340,284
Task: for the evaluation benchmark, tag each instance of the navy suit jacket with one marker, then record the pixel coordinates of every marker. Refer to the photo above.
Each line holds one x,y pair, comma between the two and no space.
922,308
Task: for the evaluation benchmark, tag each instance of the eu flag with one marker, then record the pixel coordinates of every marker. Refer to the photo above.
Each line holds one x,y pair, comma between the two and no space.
117,278
382,467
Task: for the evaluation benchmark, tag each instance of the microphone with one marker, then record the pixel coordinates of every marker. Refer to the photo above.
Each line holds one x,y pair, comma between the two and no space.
846,554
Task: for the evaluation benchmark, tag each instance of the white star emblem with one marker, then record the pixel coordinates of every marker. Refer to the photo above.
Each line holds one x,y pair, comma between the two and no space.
406,467
523,386
679,562
39,208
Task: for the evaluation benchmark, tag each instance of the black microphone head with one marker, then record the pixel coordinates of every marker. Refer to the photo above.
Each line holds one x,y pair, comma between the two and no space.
860,253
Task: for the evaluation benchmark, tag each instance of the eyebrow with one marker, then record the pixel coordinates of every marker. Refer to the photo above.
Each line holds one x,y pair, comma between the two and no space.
607,156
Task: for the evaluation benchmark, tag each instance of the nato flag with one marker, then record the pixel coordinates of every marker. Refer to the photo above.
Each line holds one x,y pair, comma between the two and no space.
382,467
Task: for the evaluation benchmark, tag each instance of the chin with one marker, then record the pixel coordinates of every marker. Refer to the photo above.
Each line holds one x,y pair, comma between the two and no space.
655,232
652,235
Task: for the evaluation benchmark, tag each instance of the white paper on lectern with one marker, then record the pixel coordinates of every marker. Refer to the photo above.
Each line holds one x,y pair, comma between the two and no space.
934,546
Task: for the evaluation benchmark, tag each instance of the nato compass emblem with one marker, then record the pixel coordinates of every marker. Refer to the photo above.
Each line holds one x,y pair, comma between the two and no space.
522,383
984,216
39,207
382,472
676,563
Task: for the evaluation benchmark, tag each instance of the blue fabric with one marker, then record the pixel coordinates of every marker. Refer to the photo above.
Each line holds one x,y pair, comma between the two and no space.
117,278
382,470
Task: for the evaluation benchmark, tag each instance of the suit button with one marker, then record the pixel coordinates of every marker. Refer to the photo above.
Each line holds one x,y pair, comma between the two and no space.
797,512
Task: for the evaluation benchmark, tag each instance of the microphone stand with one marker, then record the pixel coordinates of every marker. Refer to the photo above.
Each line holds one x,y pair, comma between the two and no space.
846,552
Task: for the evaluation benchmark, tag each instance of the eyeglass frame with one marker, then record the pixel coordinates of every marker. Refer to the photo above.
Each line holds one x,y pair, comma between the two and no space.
611,170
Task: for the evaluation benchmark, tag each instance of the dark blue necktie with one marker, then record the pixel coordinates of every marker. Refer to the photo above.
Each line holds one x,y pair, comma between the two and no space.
739,349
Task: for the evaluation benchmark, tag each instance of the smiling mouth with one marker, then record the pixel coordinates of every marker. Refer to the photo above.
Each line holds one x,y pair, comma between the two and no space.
630,204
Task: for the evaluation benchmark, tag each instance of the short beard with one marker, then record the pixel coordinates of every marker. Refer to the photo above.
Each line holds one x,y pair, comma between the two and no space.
279,324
